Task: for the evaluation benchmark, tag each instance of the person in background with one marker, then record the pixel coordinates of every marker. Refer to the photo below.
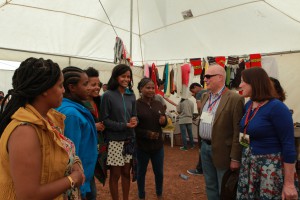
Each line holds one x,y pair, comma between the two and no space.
80,125
220,113
197,90
93,104
268,162
160,88
36,160
151,115
280,92
185,108
104,87
118,113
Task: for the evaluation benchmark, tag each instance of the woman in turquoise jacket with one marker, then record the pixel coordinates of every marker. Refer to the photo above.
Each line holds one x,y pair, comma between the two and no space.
80,126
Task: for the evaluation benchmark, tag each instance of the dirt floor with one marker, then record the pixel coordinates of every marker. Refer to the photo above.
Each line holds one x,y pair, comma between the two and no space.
175,188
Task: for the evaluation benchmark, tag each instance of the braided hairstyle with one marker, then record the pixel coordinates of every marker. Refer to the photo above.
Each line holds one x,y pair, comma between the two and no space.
32,78
143,82
118,71
72,76
92,72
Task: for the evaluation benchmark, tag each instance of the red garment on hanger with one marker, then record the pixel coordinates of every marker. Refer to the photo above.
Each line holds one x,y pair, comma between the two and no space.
153,77
255,60
185,72
220,60
196,63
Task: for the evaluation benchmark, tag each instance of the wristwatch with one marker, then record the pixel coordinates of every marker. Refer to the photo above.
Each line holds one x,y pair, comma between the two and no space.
71,182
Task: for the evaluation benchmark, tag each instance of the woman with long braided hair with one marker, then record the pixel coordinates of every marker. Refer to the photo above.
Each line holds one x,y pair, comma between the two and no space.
80,126
36,160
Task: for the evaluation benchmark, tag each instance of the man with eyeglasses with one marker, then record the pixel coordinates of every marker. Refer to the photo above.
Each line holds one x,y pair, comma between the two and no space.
220,113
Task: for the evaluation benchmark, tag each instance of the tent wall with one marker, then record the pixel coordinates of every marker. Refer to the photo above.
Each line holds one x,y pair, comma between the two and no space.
288,68
105,68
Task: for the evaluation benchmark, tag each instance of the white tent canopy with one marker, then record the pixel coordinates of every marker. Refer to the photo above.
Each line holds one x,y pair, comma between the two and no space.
81,29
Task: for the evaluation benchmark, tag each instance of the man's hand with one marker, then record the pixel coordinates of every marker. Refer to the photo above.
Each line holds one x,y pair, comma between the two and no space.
234,165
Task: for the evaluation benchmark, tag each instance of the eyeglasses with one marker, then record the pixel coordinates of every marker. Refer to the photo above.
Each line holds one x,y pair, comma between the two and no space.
208,76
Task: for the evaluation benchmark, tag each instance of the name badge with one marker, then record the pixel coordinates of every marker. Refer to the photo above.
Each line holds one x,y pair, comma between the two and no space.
244,140
206,117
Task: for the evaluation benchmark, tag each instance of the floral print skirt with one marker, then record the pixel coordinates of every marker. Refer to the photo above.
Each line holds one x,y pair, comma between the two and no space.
261,176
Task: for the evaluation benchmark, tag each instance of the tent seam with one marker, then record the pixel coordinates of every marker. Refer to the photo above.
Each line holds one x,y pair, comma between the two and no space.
80,16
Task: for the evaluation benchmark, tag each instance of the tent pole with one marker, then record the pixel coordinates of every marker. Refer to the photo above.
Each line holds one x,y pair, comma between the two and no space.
131,13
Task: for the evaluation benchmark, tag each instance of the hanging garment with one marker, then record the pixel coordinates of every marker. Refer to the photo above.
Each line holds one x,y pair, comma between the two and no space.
220,60
203,72
211,60
232,60
185,72
166,77
167,82
247,64
196,63
146,70
205,69
153,77
228,72
178,81
255,60
233,65
269,64
118,50
237,77
172,85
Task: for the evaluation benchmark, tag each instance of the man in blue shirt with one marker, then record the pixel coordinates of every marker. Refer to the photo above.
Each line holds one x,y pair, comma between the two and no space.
197,90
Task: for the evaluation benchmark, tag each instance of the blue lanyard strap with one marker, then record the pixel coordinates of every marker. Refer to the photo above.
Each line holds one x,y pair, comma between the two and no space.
215,101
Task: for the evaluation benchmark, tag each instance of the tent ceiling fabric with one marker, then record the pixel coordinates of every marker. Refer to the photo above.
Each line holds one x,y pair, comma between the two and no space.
81,29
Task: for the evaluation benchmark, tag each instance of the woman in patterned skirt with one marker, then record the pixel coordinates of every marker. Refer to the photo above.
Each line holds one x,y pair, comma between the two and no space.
118,113
267,134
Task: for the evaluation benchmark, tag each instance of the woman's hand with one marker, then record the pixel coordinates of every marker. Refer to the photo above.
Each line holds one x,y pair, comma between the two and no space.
100,126
289,192
78,177
79,174
132,122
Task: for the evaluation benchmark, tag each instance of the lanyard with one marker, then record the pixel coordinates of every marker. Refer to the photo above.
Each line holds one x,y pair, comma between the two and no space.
247,120
211,105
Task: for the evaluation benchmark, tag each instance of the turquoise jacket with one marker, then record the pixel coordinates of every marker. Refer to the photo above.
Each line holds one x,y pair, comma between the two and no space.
80,128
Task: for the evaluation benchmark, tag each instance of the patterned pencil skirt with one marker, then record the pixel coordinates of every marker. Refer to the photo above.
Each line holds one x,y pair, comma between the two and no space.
261,176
